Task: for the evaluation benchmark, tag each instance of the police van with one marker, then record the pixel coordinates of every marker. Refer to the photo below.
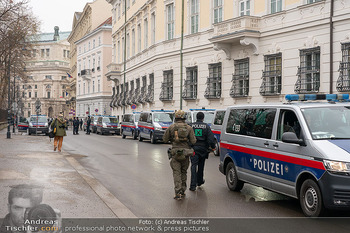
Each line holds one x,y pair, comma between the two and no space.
216,126
129,125
299,149
191,115
152,124
107,125
38,124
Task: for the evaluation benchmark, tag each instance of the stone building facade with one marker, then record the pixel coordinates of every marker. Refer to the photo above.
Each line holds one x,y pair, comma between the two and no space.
47,75
234,52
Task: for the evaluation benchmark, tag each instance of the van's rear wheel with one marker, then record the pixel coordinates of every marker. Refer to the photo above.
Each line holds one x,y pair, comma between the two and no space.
233,183
140,138
217,149
134,135
311,199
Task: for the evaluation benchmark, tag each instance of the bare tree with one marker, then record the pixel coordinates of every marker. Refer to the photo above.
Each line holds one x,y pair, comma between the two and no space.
17,23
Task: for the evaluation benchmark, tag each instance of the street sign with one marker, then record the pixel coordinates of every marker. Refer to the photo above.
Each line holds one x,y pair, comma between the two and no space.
133,106
87,112
96,110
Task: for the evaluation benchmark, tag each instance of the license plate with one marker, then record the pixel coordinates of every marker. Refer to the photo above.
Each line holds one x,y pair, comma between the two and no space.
112,131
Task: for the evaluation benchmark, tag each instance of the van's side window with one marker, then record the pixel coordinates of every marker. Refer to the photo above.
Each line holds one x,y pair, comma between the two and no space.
144,117
149,119
288,122
219,117
251,122
188,118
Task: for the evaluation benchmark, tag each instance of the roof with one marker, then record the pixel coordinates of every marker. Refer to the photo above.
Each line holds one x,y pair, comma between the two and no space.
48,37
107,22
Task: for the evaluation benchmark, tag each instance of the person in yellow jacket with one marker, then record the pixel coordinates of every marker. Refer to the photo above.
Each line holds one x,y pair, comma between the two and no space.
61,124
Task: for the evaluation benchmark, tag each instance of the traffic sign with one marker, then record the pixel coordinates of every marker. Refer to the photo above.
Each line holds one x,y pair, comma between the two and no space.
133,106
96,110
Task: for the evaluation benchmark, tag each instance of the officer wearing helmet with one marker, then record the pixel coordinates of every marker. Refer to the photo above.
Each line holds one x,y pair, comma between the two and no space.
182,137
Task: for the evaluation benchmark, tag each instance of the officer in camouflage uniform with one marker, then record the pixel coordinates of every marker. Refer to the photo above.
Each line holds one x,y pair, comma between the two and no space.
205,140
181,136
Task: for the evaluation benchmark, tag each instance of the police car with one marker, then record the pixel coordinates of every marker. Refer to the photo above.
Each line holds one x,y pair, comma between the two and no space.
300,149
216,126
152,124
129,125
38,124
23,124
107,125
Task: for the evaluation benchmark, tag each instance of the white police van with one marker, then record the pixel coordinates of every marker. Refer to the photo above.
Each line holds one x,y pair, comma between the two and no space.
152,124
298,149
191,115
129,125
38,124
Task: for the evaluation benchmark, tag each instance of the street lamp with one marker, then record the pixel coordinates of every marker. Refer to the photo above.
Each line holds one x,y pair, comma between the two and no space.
9,97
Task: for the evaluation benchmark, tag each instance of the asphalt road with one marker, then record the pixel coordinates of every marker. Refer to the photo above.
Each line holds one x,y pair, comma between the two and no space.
139,175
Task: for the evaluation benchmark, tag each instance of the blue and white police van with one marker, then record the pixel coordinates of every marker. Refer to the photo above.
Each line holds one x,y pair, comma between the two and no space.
107,125
38,124
152,124
129,125
300,149
216,126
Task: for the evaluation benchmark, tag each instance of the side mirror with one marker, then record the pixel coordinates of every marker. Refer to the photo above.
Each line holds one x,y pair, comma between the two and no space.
291,137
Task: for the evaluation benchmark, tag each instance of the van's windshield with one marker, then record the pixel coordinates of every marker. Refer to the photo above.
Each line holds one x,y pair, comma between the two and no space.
328,122
163,117
41,119
110,120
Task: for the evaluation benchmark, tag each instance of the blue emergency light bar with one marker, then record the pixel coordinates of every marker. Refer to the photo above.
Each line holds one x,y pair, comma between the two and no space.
328,97
201,109
162,110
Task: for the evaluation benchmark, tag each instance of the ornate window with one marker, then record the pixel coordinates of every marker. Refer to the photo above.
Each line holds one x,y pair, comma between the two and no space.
272,75
142,95
276,6
244,7
240,79
213,90
166,92
343,82
190,85
150,89
217,11
309,71
170,21
194,16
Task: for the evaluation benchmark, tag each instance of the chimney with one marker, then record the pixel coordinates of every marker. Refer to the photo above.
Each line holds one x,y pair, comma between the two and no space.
56,37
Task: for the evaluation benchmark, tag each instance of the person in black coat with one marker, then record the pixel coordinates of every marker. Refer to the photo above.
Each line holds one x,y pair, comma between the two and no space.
75,125
81,124
205,140
88,122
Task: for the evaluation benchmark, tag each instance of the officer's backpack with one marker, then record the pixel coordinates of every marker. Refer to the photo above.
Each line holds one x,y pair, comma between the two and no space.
181,133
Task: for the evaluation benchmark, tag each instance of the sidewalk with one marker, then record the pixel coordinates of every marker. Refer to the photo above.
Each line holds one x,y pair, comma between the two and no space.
31,160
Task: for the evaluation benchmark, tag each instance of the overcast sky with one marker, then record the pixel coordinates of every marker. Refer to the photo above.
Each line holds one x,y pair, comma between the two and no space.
59,13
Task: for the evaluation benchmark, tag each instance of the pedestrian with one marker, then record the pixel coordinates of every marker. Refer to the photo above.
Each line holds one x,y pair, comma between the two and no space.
81,124
61,124
182,137
88,122
205,140
75,125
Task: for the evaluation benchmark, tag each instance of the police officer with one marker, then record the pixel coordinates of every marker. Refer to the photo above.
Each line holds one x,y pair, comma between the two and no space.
88,122
205,139
182,137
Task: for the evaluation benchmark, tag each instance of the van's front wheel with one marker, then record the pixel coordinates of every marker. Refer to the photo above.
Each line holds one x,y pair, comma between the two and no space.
233,183
311,199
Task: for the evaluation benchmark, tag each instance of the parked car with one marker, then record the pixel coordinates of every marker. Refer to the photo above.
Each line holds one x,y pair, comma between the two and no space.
38,124
129,125
107,125
299,149
152,124
216,126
